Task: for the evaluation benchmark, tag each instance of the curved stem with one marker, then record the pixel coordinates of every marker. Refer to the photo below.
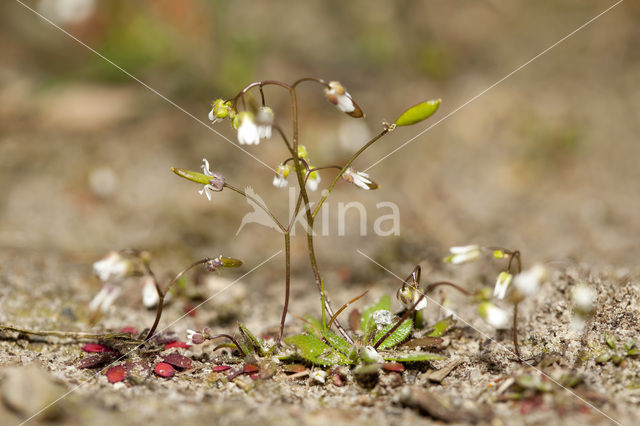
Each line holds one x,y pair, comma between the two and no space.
346,166
257,84
226,336
316,80
433,286
259,204
345,306
162,294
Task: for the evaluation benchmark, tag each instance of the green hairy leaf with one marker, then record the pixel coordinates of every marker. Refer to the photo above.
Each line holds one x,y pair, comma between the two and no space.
396,337
417,113
337,342
316,351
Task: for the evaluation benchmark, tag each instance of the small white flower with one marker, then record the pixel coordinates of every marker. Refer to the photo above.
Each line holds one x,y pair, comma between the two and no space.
495,316
313,181
215,184
212,117
502,284
264,120
149,294
113,267
408,296
281,178
105,298
528,282
463,254
382,318
337,95
247,129
359,179
583,298
369,355
318,376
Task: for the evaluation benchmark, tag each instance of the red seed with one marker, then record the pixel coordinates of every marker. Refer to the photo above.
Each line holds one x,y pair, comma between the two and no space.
176,345
96,347
177,360
116,374
219,368
164,370
250,369
393,366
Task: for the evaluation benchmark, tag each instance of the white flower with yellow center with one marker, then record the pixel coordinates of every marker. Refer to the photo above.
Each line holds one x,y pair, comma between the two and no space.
281,178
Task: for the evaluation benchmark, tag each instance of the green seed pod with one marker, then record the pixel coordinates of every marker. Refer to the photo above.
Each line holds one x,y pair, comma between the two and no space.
417,113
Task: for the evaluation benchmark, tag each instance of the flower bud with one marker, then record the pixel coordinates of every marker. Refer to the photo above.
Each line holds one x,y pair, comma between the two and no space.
337,95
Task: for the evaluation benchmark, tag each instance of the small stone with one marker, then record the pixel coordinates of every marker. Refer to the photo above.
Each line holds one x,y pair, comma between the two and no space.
28,389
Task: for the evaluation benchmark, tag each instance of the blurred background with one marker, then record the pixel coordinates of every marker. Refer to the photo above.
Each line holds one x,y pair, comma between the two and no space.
546,162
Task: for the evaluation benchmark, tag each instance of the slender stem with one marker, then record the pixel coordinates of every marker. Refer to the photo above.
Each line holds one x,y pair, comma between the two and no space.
226,336
326,306
162,294
433,286
516,255
257,84
259,204
346,166
397,324
284,137
516,347
287,251
345,306
317,80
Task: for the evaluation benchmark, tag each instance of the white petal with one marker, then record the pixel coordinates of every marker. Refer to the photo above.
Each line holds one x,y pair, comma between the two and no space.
211,116
149,294
345,104
497,317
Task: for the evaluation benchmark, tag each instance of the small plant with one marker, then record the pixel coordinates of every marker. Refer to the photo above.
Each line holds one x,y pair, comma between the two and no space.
615,354
257,123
